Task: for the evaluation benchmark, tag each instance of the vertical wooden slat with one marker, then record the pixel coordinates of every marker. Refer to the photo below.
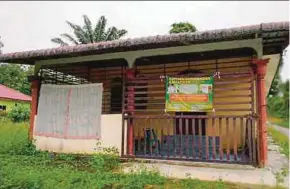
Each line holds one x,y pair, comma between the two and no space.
253,139
199,138
145,141
243,139
235,140
213,139
168,141
180,133
162,138
228,139
220,134
248,125
133,133
139,137
187,138
151,137
206,141
174,137
127,135
193,137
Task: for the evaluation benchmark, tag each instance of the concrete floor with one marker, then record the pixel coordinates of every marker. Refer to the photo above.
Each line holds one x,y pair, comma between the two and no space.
227,172
256,176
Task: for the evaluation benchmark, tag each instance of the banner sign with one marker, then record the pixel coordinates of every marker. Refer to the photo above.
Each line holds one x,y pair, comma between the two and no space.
189,94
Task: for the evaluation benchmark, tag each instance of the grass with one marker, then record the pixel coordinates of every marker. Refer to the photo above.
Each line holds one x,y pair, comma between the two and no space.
279,121
23,167
281,139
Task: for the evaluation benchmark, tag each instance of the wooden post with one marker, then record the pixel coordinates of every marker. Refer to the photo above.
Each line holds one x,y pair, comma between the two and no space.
35,84
262,128
131,100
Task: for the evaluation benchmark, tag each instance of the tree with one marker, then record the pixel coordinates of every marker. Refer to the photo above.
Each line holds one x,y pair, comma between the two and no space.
275,87
88,34
181,27
15,76
285,91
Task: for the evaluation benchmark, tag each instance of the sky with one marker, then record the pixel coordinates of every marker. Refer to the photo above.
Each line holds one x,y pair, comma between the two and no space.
30,25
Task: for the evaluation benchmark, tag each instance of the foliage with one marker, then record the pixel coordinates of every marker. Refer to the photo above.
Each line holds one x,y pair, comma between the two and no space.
180,27
283,122
281,139
3,115
277,105
88,34
285,91
23,167
13,139
19,113
15,76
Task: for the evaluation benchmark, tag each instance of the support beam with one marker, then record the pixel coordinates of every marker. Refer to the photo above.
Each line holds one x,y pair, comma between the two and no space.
130,56
261,67
35,86
130,130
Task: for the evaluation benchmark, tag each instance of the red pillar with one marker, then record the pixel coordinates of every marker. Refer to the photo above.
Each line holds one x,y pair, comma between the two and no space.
130,140
262,112
35,84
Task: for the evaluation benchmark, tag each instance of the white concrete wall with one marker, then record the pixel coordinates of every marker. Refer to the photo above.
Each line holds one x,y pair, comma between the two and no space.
111,135
272,66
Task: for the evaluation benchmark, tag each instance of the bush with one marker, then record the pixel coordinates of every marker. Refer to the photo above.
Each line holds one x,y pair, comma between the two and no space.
104,162
277,108
19,113
3,115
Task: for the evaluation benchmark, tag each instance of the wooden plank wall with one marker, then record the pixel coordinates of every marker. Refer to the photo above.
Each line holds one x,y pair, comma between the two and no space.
232,95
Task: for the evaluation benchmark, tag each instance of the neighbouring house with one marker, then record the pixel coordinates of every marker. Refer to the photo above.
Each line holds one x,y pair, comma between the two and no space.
10,98
115,92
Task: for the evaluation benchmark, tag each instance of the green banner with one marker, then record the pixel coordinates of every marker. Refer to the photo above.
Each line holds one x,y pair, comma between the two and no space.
191,94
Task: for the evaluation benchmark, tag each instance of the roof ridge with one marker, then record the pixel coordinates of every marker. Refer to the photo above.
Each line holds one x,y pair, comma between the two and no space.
222,34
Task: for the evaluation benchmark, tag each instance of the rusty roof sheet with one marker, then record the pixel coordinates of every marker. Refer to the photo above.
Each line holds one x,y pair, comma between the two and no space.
267,31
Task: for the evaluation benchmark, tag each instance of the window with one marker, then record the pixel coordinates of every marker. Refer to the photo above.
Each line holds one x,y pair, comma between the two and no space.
3,107
116,95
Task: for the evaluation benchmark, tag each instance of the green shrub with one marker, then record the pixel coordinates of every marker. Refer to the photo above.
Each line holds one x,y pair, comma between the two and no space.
19,113
276,107
14,139
3,115
104,162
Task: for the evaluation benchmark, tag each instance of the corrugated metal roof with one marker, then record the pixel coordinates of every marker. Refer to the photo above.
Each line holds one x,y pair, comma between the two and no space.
8,93
274,34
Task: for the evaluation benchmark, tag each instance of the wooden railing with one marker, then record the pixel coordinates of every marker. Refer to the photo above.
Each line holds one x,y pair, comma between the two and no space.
229,139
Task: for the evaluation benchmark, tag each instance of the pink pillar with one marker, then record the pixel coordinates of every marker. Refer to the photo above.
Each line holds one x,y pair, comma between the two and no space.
262,112
131,108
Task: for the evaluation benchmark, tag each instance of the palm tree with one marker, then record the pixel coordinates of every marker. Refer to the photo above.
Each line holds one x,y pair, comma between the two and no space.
88,34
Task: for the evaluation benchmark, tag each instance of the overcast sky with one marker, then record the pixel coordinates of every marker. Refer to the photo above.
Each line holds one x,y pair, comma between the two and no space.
31,25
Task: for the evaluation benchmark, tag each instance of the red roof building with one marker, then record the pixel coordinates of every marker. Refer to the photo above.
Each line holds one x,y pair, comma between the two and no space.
8,93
